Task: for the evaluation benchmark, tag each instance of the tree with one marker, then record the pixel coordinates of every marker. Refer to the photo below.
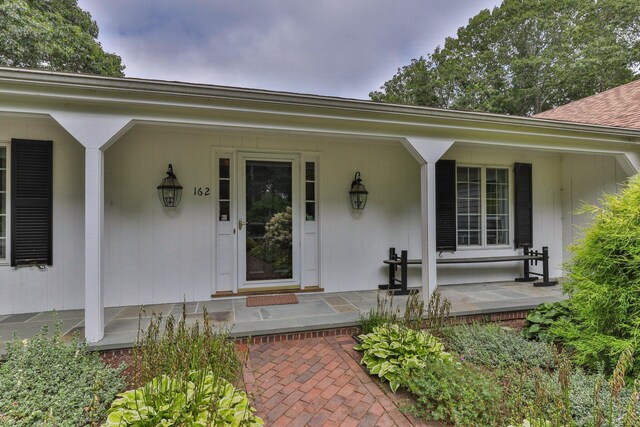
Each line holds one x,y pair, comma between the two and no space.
53,35
524,57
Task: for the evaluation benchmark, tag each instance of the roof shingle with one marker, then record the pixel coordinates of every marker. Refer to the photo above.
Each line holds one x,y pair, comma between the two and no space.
619,107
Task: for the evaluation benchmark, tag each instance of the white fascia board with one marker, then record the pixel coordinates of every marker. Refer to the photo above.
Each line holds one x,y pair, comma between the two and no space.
156,101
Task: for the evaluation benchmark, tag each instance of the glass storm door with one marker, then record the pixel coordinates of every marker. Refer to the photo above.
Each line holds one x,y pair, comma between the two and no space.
267,220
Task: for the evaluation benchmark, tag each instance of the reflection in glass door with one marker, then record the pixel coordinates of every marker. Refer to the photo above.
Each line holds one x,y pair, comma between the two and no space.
268,220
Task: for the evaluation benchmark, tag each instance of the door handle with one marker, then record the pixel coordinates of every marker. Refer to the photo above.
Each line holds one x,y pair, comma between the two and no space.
241,223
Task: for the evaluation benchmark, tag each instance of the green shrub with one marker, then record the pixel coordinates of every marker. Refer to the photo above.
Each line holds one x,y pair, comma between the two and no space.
384,313
454,393
542,317
414,317
202,400
494,346
393,350
47,382
177,349
603,283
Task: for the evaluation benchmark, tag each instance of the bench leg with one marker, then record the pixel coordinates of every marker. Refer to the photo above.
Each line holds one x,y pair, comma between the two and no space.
403,276
392,272
526,277
545,270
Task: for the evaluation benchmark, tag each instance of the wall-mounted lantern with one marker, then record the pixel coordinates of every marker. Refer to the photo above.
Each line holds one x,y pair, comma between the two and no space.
170,190
358,193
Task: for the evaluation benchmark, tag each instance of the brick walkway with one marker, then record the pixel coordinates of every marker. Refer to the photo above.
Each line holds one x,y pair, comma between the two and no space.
317,382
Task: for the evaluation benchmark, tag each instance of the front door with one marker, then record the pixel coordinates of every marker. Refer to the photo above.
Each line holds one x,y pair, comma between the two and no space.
268,224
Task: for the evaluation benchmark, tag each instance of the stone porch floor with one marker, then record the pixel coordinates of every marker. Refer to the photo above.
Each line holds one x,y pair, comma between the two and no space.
313,312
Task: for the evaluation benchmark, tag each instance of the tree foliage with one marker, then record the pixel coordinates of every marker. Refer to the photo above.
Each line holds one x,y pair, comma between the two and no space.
524,57
53,35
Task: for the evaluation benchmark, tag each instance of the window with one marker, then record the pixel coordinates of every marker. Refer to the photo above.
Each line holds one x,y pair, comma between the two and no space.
482,206
310,191
497,190
4,190
224,189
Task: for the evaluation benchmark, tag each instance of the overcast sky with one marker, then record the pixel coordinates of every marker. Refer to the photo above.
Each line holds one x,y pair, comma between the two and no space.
341,48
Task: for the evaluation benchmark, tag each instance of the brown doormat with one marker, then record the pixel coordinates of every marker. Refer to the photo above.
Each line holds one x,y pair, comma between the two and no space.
259,301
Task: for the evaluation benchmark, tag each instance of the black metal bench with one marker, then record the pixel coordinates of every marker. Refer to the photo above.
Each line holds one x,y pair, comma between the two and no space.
528,257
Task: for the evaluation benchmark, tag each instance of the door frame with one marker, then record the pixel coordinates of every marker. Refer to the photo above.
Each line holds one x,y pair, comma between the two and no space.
296,223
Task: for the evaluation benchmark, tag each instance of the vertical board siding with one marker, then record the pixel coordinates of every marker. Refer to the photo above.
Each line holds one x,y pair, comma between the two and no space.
176,248
153,255
60,286
585,178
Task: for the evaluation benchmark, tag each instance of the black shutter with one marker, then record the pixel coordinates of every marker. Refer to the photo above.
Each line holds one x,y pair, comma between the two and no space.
446,229
523,205
31,202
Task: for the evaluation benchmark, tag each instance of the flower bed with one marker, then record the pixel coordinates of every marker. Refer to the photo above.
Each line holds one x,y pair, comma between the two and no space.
494,376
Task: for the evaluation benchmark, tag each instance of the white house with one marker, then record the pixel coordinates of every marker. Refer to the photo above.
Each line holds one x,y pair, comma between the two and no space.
82,226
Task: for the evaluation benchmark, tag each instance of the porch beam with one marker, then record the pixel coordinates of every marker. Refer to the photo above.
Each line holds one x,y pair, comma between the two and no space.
427,150
91,130
629,162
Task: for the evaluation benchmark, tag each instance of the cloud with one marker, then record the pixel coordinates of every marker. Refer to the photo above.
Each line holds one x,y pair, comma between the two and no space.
329,47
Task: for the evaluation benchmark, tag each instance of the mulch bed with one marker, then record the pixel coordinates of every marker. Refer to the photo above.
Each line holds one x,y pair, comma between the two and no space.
259,301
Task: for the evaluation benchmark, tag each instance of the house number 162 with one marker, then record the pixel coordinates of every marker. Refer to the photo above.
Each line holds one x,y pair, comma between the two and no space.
201,191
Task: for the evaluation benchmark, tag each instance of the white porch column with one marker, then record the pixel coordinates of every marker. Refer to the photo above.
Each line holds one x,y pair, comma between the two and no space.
427,152
93,236
96,133
428,210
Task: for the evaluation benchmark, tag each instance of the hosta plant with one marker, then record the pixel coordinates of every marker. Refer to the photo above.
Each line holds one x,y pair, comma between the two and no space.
165,401
542,317
393,350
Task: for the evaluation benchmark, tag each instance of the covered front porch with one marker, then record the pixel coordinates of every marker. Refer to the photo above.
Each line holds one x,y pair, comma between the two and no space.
314,311
112,245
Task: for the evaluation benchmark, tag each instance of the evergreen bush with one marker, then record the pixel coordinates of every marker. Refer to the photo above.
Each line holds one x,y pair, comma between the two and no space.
604,283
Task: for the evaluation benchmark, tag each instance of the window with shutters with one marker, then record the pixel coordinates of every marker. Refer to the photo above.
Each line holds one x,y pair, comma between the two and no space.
4,202
483,206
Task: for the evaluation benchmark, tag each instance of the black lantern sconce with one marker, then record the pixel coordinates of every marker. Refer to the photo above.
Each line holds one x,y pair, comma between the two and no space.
358,193
170,190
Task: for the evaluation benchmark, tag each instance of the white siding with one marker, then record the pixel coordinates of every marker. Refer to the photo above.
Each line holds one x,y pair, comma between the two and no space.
154,256
59,286
585,178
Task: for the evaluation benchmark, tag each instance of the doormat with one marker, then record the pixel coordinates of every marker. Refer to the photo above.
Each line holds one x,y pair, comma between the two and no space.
260,301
